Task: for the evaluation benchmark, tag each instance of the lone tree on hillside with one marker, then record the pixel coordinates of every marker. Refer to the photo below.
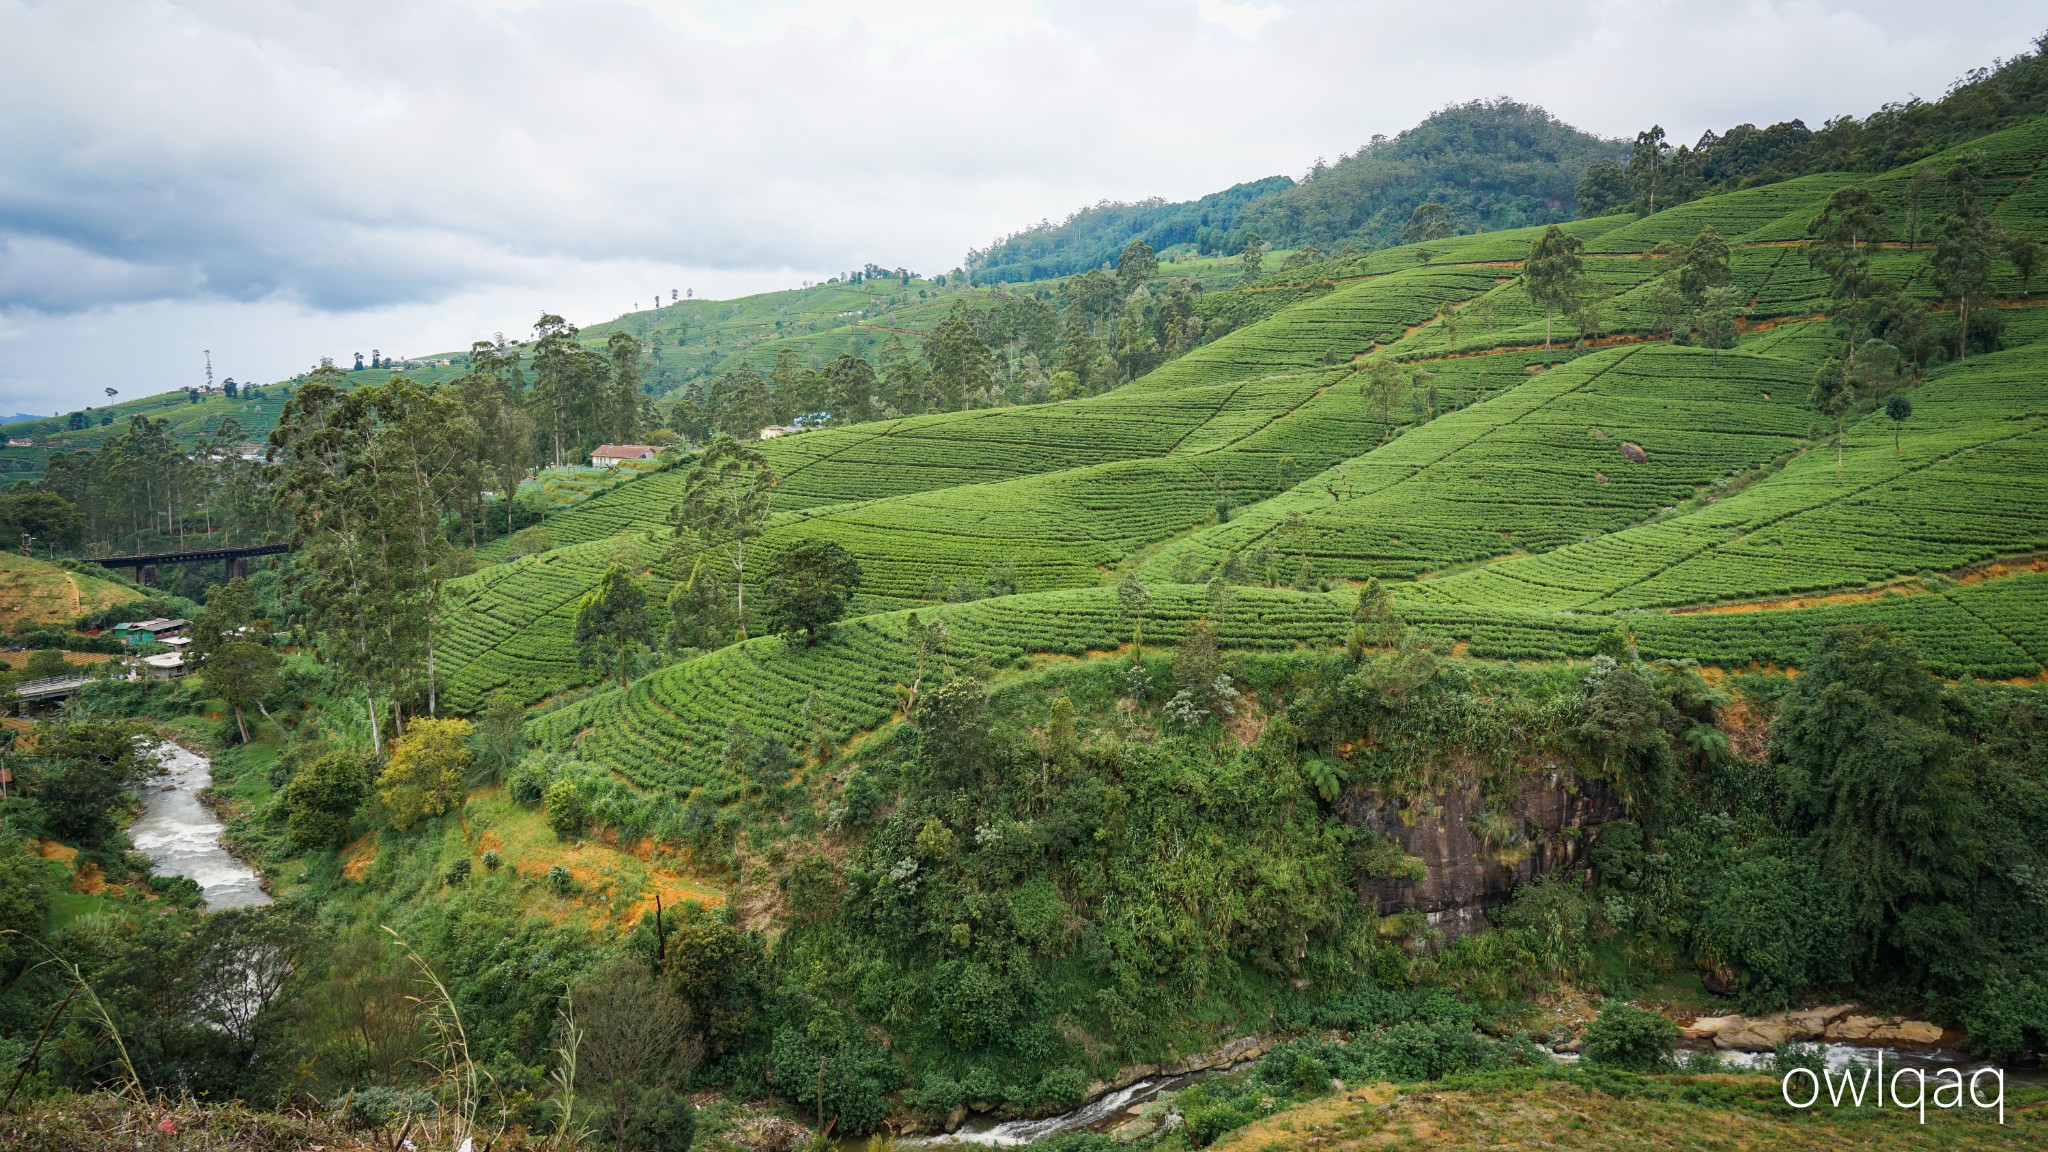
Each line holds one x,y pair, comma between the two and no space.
1900,410
1720,309
726,502
809,584
1918,189
425,774
1385,385
1834,395
241,673
2025,253
1852,221
1251,257
1706,266
321,797
1555,274
1132,598
612,623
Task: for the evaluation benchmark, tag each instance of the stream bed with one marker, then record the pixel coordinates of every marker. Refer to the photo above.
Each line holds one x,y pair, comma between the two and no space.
1102,1113
182,835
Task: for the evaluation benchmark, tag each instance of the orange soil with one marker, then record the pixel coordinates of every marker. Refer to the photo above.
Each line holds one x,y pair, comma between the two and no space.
89,880
1904,586
51,850
19,659
590,864
357,857
1857,597
1993,569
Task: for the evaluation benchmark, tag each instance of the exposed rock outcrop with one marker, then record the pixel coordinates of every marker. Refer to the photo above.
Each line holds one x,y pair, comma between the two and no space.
1840,1022
1474,856
1226,1055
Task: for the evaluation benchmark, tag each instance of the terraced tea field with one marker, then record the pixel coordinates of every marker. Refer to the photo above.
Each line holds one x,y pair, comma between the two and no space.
1530,470
945,450
511,626
1995,629
666,729
1969,484
1056,530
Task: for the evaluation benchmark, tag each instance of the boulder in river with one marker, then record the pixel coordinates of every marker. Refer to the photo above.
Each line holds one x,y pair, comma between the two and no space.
1882,1028
1738,1033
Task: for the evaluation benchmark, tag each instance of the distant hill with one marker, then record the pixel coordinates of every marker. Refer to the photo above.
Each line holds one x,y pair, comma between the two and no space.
1092,237
1493,163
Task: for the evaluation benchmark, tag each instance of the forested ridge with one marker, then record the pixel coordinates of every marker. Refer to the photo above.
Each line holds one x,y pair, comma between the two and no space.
1464,635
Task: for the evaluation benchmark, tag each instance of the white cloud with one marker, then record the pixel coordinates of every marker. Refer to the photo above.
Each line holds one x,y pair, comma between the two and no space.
1242,19
303,178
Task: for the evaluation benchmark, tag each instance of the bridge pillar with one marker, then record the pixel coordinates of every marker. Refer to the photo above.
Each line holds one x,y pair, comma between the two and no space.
238,567
145,575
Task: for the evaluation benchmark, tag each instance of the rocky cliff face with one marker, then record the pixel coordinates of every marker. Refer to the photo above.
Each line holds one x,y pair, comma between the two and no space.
1474,855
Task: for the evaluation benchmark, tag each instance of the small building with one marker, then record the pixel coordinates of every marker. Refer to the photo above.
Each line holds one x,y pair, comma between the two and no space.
609,455
150,631
163,666
20,442
774,430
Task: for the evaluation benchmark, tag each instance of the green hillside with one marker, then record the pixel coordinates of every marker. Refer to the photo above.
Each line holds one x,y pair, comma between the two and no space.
1530,470
1921,506
1508,456
193,418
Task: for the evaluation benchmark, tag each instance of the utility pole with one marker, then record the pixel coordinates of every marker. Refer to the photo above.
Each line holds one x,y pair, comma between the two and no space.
209,369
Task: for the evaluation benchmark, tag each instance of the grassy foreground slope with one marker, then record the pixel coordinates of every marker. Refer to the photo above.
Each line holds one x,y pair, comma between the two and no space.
1577,1111
38,592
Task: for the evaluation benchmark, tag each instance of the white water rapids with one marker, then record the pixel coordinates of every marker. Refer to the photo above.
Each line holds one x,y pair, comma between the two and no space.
183,836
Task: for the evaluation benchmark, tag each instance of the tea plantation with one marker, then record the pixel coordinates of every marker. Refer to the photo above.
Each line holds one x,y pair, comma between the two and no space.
1518,497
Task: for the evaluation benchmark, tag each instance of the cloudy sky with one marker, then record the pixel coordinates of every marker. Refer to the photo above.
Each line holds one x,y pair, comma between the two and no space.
280,181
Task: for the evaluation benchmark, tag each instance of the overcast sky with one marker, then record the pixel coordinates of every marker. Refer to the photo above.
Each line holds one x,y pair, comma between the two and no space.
277,182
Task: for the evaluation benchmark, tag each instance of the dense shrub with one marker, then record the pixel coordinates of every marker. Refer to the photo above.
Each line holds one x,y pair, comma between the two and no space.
857,1077
663,1120
1625,1036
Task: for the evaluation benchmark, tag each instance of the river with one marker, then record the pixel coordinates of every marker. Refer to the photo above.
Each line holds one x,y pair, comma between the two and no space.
182,835
1100,1114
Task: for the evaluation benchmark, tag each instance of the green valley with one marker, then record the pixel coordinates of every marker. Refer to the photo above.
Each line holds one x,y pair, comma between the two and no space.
1475,647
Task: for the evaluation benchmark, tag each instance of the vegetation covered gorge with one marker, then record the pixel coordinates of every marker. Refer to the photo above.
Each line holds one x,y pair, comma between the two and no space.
1048,875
